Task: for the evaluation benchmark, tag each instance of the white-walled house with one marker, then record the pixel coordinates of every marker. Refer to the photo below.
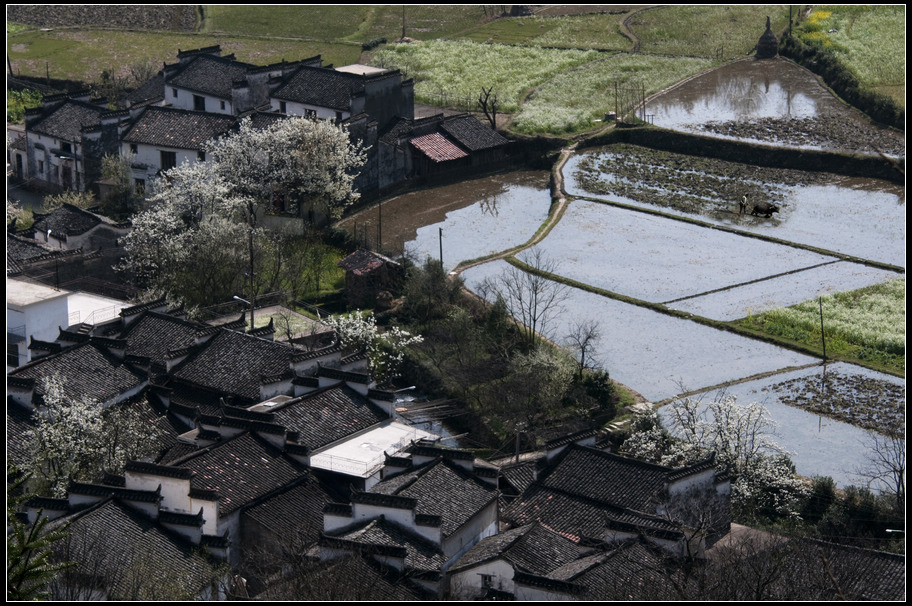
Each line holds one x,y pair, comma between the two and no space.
164,137
37,312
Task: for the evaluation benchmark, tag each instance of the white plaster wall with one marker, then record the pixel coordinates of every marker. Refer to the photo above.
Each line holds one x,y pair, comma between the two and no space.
467,584
184,100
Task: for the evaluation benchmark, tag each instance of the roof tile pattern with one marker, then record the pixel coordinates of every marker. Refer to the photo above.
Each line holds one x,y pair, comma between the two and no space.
154,335
183,129
442,489
321,87
240,470
210,75
233,363
110,538
472,134
419,554
438,148
330,415
89,372
67,121
67,220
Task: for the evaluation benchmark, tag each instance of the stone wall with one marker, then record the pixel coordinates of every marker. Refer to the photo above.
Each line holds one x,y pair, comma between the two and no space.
178,17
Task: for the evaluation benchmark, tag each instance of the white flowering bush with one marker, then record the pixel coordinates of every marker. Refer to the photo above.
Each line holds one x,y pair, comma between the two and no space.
385,350
74,439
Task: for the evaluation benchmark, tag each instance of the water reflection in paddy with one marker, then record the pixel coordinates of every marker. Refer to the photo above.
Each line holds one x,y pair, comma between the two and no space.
864,218
477,218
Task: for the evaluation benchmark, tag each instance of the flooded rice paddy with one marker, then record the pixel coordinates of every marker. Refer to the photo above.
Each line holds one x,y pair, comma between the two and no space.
467,220
658,355
822,444
863,218
769,101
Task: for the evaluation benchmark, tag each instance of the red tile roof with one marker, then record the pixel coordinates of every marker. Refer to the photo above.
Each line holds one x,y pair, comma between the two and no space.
438,148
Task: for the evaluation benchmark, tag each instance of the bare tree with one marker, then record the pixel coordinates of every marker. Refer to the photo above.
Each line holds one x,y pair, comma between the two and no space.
529,293
886,464
582,338
487,101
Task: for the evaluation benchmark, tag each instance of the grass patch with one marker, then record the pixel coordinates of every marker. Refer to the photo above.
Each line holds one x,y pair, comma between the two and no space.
581,32
866,325
84,53
704,31
868,40
573,100
342,22
461,69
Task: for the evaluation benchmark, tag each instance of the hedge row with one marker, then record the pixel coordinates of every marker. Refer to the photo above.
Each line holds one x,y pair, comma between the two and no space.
826,64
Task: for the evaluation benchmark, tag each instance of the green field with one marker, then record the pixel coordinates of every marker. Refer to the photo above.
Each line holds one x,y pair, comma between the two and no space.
729,32
867,325
849,31
595,31
573,100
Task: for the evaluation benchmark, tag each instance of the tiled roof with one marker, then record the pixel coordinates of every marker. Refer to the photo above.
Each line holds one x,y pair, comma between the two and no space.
89,372
240,470
362,262
321,87
21,250
420,554
232,363
18,423
632,572
441,489
296,510
154,334
67,220
438,148
210,75
324,417
180,128
109,538
572,516
532,549
472,134
607,478
66,121
151,90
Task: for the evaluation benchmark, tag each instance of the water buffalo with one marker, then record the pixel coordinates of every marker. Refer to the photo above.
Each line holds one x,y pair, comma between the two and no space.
765,209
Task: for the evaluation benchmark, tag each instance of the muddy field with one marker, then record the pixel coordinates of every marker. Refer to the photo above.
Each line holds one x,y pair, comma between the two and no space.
811,132
863,401
691,184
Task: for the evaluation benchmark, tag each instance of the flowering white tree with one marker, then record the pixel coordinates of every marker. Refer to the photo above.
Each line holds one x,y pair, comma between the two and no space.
74,439
385,350
312,161
763,477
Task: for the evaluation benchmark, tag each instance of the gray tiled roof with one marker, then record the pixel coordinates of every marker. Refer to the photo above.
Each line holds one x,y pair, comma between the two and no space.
633,571
210,75
294,511
68,220
154,334
321,87
420,554
232,363
67,121
89,372
324,417
21,251
443,489
180,128
532,549
108,538
472,134
240,470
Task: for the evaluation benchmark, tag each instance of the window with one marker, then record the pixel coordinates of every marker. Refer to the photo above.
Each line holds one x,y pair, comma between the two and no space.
12,354
282,107
133,148
174,93
201,156
310,113
199,103
140,185
66,147
168,160
41,166
487,580
221,105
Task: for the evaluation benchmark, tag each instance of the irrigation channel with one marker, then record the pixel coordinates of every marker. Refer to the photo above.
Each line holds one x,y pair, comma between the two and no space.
642,231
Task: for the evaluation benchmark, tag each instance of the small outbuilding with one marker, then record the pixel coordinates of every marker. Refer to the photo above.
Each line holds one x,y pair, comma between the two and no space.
367,274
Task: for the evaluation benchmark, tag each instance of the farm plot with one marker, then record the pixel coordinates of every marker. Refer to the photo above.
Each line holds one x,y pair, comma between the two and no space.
818,444
654,354
783,291
864,218
658,259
